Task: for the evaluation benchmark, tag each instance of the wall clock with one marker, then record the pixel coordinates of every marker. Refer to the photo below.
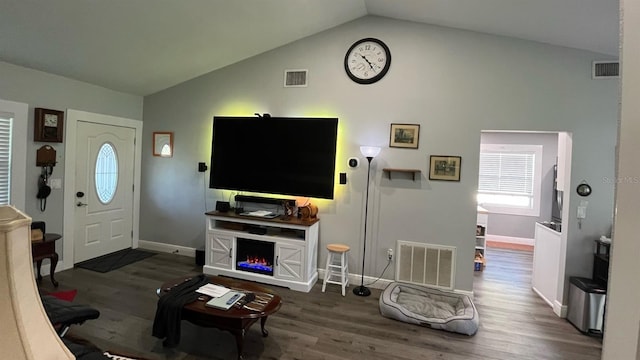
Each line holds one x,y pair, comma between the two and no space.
367,61
48,125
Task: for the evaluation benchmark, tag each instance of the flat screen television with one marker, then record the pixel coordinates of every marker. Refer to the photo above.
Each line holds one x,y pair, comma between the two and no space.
274,155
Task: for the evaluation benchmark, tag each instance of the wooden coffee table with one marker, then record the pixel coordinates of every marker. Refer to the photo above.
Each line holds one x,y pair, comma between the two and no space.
236,320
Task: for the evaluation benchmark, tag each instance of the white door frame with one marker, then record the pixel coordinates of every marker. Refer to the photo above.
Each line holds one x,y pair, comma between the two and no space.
72,118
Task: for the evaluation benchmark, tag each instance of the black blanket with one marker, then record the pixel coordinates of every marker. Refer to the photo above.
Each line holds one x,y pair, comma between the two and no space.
166,324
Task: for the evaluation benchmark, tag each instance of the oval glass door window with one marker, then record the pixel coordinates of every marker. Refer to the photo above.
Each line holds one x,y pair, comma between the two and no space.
106,176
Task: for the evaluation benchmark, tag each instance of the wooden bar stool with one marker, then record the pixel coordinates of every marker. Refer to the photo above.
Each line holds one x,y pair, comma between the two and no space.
337,266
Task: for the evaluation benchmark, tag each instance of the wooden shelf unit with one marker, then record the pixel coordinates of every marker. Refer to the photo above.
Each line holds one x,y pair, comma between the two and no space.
413,172
482,219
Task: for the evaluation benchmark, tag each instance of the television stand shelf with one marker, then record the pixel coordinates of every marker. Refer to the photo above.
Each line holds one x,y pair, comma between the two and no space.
295,248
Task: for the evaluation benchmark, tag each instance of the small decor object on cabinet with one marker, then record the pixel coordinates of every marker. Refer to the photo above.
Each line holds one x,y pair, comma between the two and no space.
444,167
163,144
404,136
48,125
367,61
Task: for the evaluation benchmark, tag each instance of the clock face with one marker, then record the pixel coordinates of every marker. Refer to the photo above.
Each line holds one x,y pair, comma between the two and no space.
50,120
367,61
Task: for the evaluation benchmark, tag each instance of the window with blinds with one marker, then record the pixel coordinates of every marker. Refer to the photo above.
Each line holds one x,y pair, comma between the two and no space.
5,159
509,178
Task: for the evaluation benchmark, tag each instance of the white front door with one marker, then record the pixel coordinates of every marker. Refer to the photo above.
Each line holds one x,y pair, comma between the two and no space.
103,189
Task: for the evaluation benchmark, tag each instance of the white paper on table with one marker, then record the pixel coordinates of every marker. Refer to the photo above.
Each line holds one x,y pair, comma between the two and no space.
213,290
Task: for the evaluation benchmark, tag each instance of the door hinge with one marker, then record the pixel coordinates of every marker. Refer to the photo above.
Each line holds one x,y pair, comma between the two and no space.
133,188
134,140
132,234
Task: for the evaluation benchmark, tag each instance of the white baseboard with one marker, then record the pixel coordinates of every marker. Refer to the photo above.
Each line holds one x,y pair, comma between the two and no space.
45,270
167,248
511,239
355,280
560,310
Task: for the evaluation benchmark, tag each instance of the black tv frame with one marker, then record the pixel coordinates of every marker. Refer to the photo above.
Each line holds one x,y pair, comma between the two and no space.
274,155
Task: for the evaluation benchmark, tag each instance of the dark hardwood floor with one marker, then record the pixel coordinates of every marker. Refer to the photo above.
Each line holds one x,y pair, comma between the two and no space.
514,322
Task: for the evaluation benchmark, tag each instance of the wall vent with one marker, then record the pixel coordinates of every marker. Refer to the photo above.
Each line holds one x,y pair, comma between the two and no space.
605,70
295,78
426,264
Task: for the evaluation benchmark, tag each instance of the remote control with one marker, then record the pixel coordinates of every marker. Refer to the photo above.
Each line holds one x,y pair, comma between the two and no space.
233,299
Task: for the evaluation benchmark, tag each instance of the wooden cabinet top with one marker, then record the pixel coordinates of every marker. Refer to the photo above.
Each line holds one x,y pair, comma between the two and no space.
291,220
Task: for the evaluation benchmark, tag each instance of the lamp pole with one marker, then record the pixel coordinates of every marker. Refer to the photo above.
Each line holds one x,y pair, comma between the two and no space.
363,290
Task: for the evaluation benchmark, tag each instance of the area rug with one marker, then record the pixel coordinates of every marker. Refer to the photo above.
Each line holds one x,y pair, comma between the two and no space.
115,260
68,295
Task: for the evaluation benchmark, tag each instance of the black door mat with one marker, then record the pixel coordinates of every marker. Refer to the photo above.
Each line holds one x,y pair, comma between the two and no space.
115,260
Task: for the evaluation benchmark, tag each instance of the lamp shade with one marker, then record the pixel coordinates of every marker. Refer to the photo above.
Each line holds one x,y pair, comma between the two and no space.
27,333
370,151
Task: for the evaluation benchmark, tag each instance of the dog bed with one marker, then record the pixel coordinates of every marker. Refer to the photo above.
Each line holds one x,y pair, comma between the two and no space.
429,307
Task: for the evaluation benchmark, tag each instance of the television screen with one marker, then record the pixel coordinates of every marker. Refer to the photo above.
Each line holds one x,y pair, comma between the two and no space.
276,155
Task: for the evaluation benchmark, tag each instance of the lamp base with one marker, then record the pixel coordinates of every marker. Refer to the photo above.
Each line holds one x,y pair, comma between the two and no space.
361,291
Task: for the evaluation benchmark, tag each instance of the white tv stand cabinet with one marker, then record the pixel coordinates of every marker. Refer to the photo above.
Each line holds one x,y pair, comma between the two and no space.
295,248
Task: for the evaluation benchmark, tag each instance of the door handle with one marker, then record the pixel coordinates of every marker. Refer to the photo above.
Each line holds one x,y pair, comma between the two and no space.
80,203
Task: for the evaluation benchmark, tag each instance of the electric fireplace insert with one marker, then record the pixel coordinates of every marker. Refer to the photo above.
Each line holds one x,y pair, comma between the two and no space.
255,256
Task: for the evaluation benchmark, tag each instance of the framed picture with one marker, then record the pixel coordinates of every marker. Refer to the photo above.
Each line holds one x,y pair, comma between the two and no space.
404,136
443,167
163,144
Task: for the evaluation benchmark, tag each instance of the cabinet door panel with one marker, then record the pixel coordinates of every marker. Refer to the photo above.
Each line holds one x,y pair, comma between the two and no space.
289,262
221,250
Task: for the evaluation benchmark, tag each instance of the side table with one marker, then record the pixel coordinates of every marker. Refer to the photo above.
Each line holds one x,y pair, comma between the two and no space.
46,249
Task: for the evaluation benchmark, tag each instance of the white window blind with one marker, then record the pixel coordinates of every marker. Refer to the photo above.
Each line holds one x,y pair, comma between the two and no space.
509,178
506,173
5,159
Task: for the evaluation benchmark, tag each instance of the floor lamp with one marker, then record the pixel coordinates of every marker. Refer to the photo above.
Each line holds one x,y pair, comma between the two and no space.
369,152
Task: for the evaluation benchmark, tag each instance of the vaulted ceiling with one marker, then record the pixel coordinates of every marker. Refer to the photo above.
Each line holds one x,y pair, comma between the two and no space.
144,46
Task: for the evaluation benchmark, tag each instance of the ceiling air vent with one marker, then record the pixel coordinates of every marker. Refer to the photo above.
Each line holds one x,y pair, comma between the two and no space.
295,78
605,70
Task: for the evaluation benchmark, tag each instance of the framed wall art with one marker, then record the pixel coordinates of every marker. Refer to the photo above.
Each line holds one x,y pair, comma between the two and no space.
163,144
444,167
404,136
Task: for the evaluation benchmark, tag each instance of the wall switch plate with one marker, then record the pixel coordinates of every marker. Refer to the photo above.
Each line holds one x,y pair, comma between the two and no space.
582,212
202,167
343,178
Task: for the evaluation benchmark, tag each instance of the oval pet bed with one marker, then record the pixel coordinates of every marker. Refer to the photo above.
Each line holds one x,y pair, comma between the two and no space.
429,307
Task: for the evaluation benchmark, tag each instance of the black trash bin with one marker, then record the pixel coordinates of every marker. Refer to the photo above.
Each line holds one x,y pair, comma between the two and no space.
586,305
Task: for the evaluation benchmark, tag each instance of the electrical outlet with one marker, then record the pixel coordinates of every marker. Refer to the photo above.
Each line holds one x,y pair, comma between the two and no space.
390,253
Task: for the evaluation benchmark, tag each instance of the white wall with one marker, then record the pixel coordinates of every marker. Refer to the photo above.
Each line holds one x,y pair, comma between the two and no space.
453,83
622,321
39,89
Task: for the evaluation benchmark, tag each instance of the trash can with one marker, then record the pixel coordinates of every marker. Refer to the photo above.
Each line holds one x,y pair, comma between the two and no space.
586,305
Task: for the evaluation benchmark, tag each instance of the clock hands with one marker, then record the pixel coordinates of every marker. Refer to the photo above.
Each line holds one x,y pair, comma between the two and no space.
368,62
